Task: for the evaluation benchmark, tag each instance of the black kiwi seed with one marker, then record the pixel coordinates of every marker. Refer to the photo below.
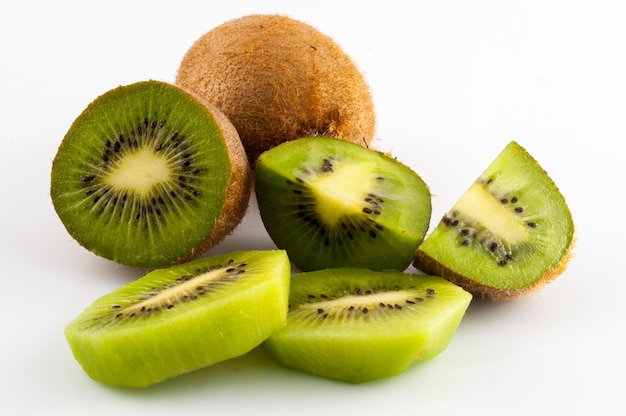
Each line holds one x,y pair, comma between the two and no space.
96,187
203,288
306,211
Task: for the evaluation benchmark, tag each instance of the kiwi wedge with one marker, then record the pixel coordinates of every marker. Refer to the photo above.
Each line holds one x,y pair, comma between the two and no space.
507,235
149,175
182,318
278,79
356,325
332,203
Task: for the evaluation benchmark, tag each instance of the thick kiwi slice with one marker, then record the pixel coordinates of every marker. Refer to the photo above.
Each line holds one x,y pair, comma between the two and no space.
508,234
332,203
277,79
149,175
357,325
179,319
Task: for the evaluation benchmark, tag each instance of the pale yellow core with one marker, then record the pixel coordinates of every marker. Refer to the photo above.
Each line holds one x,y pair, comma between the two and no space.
337,193
371,300
173,294
140,171
478,205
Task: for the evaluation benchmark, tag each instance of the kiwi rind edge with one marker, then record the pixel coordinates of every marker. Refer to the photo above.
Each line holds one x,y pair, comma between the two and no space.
239,187
428,265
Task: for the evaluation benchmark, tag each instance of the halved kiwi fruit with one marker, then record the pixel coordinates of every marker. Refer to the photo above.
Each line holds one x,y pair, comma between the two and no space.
507,235
149,175
332,203
179,319
277,79
357,325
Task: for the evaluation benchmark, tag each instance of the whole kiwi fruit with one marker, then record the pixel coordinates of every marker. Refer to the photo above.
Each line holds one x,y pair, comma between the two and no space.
278,79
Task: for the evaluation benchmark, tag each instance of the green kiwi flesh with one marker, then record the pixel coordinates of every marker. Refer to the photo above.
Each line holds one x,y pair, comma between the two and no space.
332,203
179,319
358,325
507,235
148,176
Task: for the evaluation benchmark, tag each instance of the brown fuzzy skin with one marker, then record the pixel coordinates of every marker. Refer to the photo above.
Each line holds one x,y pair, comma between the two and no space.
239,186
278,79
429,265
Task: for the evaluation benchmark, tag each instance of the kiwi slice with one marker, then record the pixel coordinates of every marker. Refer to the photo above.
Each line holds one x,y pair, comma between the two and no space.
278,79
149,175
179,319
507,235
332,203
356,325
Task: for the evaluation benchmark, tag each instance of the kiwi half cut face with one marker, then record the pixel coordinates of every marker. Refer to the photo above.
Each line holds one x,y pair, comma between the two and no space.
332,203
357,325
148,175
508,234
179,319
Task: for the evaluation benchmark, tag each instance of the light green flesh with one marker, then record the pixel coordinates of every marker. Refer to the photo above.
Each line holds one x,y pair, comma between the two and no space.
150,240
532,250
228,320
383,239
355,347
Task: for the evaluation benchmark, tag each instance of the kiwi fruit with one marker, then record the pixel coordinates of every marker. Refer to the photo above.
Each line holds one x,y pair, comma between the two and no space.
332,203
150,175
356,325
181,318
277,79
507,235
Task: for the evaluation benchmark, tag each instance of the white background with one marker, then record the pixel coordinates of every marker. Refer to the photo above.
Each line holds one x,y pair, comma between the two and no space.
453,82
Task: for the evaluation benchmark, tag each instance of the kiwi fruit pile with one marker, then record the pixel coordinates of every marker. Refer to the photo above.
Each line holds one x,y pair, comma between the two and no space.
154,174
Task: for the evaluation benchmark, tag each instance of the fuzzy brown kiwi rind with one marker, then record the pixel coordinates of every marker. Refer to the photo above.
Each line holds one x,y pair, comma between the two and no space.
277,79
203,144
237,197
